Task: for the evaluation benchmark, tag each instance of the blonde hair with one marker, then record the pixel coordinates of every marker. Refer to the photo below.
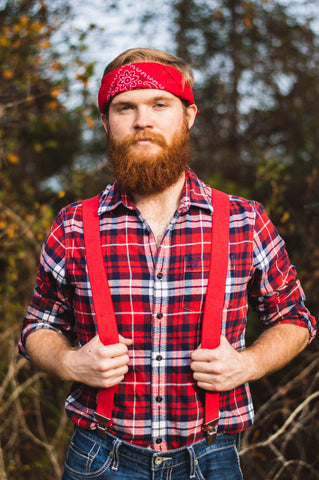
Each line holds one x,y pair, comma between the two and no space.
134,55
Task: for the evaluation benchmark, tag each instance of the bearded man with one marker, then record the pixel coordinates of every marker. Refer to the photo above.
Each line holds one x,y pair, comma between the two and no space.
155,224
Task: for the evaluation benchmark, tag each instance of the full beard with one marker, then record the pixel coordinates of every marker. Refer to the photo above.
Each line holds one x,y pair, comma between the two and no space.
148,173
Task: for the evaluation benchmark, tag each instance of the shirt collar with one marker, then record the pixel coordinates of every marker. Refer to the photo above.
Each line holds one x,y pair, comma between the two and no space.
195,193
112,197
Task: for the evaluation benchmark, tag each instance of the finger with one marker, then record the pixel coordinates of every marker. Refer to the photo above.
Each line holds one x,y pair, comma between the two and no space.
116,371
125,341
114,363
113,378
203,355
108,352
203,367
208,386
204,377
114,374
210,368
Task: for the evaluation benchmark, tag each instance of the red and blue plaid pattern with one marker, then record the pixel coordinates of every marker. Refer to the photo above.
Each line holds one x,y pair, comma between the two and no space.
158,298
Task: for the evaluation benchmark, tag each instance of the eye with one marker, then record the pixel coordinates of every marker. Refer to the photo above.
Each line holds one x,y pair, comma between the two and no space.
125,108
160,105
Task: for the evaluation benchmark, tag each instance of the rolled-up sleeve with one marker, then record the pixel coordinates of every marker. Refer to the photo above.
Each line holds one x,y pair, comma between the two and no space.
275,292
51,304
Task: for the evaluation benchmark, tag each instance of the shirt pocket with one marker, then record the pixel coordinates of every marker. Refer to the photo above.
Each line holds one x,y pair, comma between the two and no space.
196,270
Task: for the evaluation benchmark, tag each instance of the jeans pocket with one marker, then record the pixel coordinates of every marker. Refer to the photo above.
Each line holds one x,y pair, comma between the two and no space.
87,458
220,464
198,473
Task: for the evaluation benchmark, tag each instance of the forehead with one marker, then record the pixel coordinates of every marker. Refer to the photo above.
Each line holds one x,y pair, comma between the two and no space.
144,95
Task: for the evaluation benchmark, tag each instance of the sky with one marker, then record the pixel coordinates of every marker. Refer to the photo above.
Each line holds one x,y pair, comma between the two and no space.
118,29
121,28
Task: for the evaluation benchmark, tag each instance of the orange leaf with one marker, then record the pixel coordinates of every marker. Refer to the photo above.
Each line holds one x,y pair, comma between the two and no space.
56,92
45,44
53,105
248,21
24,20
4,41
90,122
7,74
13,158
37,27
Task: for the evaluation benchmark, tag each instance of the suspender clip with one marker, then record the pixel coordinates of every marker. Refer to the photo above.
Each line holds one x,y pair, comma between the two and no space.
103,424
211,431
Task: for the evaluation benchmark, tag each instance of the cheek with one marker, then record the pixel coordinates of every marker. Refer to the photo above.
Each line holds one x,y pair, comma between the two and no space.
176,127
119,129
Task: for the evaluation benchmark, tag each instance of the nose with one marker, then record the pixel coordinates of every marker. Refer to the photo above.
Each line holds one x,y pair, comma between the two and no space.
143,118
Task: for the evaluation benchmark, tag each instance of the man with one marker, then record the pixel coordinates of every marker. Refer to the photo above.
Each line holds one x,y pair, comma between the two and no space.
155,225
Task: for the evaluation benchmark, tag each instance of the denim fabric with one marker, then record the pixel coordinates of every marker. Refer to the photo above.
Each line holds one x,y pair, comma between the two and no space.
92,457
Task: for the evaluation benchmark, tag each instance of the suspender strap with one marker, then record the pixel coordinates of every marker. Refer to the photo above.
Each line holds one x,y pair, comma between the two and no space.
102,301
215,297
213,310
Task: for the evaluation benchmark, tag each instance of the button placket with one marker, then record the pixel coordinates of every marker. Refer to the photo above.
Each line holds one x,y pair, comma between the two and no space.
159,327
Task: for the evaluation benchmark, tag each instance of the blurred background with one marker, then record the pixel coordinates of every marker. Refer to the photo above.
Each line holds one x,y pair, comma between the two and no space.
256,67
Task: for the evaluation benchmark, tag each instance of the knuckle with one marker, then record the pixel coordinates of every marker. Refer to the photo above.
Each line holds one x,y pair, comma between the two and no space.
126,358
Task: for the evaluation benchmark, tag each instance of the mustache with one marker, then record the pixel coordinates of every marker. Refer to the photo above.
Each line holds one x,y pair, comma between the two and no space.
147,136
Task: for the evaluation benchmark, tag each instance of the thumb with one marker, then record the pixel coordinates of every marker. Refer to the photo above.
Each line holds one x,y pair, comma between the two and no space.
223,341
125,341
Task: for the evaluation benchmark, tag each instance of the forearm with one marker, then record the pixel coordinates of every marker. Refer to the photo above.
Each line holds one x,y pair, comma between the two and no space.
94,364
273,349
47,350
224,368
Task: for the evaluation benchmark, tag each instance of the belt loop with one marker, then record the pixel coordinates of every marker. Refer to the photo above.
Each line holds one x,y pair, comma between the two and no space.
115,454
238,440
192,462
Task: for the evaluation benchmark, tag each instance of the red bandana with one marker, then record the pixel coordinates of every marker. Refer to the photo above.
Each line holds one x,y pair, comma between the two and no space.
143,75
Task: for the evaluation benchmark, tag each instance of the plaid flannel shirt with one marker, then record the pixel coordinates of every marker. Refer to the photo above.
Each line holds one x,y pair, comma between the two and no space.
158,297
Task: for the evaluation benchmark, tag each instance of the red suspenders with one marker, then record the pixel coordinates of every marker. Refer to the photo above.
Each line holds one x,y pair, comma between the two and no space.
213,310
215,296
102,301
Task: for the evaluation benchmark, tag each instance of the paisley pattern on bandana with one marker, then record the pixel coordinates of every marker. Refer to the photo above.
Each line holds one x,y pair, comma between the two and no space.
143,75
131,77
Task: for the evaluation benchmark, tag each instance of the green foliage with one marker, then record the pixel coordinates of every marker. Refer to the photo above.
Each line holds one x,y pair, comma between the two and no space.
39,141
257,136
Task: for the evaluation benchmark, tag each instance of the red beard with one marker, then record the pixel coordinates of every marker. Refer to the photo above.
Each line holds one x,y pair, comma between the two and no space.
146,173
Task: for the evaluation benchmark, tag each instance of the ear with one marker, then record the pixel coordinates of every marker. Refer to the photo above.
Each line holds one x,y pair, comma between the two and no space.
105,122
191,112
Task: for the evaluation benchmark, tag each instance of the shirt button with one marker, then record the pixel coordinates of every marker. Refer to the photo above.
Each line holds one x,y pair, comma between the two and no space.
159,358
159,275
147,232
159,399
158,441
159,316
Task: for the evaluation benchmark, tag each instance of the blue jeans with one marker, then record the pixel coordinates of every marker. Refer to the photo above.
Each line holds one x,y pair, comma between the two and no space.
95,458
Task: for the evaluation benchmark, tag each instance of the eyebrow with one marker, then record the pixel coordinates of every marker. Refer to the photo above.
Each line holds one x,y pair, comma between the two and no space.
161,97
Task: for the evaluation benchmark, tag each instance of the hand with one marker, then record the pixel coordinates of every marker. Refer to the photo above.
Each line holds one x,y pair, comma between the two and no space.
99,365
219,369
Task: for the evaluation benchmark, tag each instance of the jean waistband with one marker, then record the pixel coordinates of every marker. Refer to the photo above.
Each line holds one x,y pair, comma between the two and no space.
153,459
